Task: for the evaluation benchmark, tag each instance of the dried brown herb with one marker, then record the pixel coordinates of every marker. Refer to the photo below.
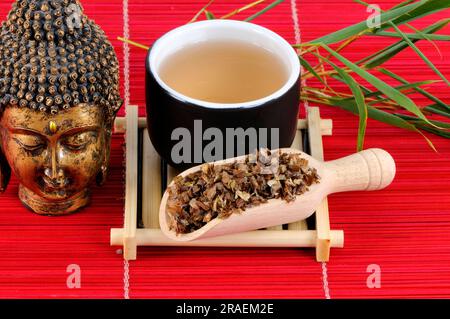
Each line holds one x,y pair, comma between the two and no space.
218,191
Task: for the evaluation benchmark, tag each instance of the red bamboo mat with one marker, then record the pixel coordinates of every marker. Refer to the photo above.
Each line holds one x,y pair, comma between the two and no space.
404,229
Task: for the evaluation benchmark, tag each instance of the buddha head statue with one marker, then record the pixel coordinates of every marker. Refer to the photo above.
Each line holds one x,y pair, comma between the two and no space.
59,95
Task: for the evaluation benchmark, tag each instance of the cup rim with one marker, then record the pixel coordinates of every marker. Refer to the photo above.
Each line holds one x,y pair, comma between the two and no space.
295,72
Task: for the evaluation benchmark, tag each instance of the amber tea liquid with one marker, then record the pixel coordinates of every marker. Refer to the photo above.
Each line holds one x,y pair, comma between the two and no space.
224,72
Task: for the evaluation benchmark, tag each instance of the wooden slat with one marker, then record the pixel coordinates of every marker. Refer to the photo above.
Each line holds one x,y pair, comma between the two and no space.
131,188
322,214
263,238
298,144
120,124
151,184
326,125
278,227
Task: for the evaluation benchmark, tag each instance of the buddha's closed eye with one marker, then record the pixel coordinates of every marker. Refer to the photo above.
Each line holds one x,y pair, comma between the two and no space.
30,143
79,141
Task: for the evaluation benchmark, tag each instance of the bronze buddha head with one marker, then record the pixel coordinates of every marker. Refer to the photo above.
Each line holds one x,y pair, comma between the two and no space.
59,95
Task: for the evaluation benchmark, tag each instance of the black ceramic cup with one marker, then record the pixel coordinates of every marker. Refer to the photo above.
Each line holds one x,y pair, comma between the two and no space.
187,131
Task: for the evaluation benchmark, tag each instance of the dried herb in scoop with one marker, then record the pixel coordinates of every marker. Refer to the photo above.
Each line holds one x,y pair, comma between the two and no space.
218,191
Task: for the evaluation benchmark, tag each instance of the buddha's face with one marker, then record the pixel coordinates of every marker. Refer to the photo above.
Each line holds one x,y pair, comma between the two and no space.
55,156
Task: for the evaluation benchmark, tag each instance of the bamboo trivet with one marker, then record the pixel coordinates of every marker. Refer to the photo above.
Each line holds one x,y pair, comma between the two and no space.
146,181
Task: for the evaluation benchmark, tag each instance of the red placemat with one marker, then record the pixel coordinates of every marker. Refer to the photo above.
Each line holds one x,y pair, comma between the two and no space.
403,229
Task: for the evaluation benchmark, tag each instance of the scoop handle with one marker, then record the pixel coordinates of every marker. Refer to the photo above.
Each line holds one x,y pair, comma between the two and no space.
369,170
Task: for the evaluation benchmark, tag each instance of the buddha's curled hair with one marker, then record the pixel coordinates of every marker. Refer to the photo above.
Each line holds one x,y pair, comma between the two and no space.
52,57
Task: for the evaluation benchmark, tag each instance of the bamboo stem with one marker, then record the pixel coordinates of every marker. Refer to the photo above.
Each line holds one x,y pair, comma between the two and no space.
323,243
131,189
237,11
201,11
326,125
133,43
266,238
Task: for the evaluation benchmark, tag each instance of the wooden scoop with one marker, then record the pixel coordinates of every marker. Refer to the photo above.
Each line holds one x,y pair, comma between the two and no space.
372,169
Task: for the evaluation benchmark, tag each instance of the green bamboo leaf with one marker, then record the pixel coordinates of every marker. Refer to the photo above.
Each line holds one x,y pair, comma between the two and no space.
434,131
417,120
377,102
373,113
399,15
360,103
379,115
414,36
408,25
390,51
423,126
402,4
270,6
383,55
361,27
209,15
403,101
424,9
435,110
424,58
365,90
404,87
419,90
440,107
308,67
